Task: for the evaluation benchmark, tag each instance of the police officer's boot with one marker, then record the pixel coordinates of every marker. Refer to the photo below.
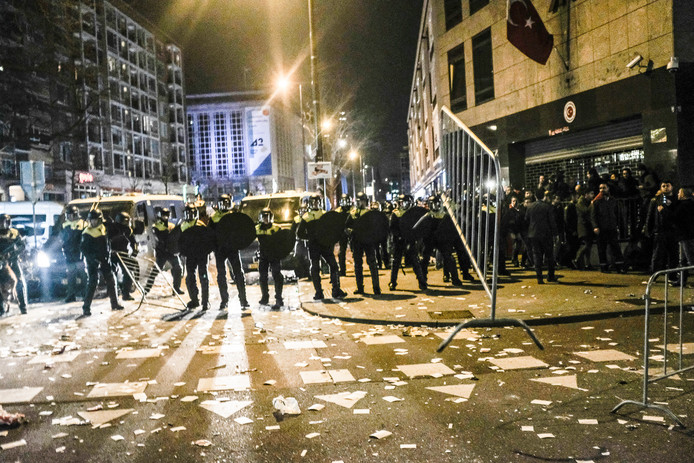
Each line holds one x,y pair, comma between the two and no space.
264,293
127,288
360,284
205,296
112,293
241,286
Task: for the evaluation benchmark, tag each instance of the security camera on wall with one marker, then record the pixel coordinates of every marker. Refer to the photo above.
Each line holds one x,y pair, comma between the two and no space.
674,64
636,60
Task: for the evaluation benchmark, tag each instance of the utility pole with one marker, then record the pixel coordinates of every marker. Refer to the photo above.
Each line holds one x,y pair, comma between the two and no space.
314,84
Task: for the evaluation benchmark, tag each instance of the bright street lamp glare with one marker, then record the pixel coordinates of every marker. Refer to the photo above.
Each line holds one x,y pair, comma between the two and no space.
342,143
353,155
283,83
327,124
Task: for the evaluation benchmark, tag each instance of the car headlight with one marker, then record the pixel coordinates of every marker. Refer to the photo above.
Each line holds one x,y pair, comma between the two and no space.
42,260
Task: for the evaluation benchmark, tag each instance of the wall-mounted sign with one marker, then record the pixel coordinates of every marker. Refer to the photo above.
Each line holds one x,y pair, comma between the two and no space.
569,112
318,170
553,132
85,177
659,135
259,143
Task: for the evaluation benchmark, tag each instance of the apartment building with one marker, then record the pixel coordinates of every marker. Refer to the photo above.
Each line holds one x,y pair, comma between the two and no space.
615,91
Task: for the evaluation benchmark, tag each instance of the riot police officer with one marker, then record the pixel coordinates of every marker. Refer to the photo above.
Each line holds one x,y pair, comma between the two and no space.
264,230
308,227
195,261
361,249
96,249
222,254
434,240
303,269
11,246
344,208
123,242
70,237
165,250
402,247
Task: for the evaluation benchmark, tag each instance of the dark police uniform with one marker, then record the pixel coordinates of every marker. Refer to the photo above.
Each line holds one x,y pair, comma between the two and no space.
122,241
443,243
71,235
96,250
358,252
221,256
343,242
197,262
400,248
264,232
308,225
165,251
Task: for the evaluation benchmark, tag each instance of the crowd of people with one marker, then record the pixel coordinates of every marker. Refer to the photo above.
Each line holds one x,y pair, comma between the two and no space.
552,224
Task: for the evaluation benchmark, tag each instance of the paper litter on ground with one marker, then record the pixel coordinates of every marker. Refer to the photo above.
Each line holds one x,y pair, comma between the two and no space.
225,409
517,363
566,381
381,434
425,369
387,339
344,399
23,394
99,417
117,389
459,390
605,355
139,353
49,358
224,383
311,344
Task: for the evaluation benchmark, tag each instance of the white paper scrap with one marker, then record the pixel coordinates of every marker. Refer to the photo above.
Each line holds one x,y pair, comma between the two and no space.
243,420
11,445
544,403
312,435
546,435
381,434
588,421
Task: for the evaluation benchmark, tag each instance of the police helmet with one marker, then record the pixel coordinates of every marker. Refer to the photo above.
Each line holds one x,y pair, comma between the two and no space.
95,214
224,203
345,200
266,216
375,206
72,213
362,199
434,202
163,214
5,221
190,212
405,201
123,218
315,202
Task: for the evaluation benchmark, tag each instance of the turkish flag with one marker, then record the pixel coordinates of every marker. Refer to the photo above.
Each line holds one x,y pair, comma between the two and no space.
526,31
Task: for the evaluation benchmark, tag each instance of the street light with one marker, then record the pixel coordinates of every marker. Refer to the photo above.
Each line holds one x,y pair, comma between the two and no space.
283,84
352,156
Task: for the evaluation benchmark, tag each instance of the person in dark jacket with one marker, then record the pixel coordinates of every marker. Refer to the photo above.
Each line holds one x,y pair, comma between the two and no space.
584,231
511,227
361,250
223,254
403,247
344,208
264,230
428,225
308,227
196,260
122,239
166,250
96,249
603,218
684,220
70,237
11,246
542,228
660,225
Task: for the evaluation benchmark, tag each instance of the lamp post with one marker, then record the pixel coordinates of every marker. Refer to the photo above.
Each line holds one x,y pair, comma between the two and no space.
314,83
352,156
283,83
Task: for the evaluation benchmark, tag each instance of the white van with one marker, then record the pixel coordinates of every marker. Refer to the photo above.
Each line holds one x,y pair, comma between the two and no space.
47,214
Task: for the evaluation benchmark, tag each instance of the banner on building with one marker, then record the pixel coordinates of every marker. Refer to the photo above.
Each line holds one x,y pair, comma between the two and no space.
318,170
526,31
258,141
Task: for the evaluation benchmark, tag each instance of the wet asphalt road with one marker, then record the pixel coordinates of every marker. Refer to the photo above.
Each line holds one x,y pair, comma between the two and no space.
491,417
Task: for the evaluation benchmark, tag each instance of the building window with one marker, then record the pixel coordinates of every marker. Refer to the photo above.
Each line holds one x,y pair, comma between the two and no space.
476,5
482,66
454,12
238,162
191,140
205,145
220,141
456,79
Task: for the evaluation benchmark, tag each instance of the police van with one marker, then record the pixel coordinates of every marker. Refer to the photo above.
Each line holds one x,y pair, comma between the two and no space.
34,222
142,208
284,206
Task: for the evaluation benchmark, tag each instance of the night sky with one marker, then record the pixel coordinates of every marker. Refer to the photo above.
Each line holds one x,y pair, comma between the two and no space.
366,52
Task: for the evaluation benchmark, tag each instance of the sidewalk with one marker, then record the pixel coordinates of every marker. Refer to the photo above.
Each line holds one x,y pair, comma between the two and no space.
579,295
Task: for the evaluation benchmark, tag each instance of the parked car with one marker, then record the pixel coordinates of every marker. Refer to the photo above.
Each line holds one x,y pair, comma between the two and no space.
141,207
34,222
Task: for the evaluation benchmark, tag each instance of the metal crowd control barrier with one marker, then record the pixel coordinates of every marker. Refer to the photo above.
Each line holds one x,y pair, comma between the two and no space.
473,175
646,347
160,287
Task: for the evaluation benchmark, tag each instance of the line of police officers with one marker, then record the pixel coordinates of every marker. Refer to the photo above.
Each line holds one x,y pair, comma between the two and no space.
97,243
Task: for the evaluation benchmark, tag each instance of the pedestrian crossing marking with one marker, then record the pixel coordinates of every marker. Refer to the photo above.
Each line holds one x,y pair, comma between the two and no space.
24,394
388,339
566,381
311,344
139,353
223,349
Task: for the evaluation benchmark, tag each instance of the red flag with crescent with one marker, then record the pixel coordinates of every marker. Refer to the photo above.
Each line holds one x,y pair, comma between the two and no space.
526,31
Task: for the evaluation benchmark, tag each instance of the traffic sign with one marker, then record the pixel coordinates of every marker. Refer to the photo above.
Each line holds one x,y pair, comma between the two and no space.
32,177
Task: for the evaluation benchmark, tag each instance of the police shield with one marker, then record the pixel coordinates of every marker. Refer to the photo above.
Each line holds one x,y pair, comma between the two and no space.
330,227
235,231
446,231
279,244
196,241
408,221
371,228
